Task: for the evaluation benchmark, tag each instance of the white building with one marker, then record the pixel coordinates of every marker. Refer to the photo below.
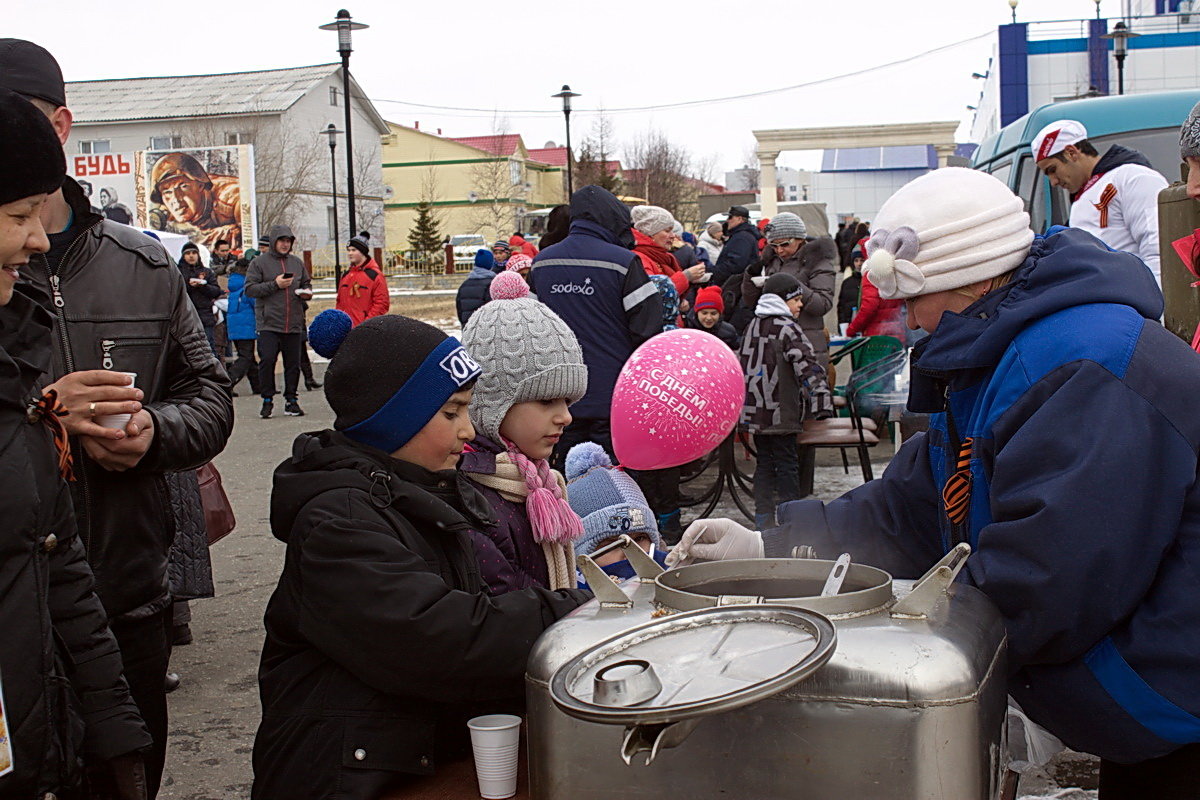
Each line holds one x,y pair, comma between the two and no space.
793,183
1035,63
281,112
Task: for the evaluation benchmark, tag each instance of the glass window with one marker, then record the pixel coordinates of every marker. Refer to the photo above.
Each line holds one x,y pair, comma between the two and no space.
166,142
1002,172
92,146
237,138
333,95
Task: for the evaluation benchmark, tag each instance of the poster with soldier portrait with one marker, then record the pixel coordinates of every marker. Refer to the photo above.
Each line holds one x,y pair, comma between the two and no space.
204,193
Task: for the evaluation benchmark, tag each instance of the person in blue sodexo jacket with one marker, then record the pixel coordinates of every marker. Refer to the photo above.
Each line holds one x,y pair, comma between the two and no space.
1048,375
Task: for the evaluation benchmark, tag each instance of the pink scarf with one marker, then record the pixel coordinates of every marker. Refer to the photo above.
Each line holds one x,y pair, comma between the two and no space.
550,516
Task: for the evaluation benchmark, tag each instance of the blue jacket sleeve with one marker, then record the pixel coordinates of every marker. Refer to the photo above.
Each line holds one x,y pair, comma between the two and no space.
890,523
1079,530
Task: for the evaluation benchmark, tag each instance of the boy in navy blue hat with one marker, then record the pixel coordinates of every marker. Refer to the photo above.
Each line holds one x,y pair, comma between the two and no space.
381,640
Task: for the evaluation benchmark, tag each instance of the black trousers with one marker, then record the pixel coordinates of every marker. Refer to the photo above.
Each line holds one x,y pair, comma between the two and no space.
145,653
270,345
661,488
1175,776
245,366
583,429
776,473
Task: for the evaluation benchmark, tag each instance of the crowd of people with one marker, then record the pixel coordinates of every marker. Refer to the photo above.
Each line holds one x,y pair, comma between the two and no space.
442,512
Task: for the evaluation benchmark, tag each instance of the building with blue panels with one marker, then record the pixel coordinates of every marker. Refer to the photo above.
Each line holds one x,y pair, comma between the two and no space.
1035,63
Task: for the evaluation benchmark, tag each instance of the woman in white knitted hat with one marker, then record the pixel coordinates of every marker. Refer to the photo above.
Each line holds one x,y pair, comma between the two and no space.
1062,447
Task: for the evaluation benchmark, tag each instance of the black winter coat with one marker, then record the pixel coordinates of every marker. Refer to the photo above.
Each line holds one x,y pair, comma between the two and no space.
120,304
473,293
739,252
60,669
202,297
381,641
849,297
722,330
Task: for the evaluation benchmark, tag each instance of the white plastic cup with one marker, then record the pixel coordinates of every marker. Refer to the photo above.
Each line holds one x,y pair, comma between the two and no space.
496,742
118,421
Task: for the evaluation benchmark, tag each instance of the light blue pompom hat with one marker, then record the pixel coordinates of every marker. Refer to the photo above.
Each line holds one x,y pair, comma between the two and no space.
606,498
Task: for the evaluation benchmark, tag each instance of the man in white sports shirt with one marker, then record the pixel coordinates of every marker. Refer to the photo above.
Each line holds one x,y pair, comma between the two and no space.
1114,196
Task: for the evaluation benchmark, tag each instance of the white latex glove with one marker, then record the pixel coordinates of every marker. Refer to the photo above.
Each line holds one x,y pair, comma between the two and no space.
715,540
759,280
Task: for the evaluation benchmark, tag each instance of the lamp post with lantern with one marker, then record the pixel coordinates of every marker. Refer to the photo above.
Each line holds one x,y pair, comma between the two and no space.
344,25
566,94
331,133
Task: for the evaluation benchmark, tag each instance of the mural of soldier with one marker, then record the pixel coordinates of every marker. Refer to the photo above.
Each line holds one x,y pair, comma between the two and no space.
203,207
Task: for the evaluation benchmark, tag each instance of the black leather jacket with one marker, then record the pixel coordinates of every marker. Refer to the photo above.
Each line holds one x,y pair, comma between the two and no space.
64,695
120,304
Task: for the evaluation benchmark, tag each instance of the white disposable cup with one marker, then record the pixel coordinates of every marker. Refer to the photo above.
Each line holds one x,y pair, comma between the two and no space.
118,421
496,742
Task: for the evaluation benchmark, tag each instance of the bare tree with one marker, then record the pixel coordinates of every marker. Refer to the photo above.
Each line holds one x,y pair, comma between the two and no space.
598,149
660,168
369,193
495,183
750,172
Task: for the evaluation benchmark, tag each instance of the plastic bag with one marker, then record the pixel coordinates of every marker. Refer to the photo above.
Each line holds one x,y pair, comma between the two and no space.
1030,746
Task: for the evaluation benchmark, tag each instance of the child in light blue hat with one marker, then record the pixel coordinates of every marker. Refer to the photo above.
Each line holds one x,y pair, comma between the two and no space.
610,503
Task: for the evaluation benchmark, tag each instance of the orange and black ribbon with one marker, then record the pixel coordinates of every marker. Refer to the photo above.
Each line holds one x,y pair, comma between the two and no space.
956,496
49,409
1106,197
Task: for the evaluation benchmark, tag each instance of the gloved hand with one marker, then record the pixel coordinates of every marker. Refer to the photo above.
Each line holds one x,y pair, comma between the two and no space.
715,540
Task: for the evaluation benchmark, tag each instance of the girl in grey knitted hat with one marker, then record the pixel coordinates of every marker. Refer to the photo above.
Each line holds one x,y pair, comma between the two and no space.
1189,150
532,371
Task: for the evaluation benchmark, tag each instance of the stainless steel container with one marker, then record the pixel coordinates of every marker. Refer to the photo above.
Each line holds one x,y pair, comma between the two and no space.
910,703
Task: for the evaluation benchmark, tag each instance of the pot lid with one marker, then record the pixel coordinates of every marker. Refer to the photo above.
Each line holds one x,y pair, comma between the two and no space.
693,664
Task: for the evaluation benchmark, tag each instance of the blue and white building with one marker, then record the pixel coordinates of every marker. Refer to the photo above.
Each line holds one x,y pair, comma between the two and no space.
1035,63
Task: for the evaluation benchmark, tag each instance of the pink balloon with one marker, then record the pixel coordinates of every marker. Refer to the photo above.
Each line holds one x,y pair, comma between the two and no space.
677,397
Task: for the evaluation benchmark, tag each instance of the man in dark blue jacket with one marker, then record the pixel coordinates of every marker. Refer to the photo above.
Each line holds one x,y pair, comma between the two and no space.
475,289
594,281
1063,448
741,246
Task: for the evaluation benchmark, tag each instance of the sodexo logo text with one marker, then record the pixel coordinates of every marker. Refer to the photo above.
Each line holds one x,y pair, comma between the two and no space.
573,288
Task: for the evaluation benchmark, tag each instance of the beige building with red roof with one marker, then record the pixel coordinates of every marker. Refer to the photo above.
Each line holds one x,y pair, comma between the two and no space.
474,184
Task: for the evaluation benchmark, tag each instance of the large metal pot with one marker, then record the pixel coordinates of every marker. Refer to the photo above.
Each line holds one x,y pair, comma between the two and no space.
909,702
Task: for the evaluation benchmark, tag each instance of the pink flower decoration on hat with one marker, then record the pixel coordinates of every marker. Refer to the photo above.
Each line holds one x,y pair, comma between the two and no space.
509,286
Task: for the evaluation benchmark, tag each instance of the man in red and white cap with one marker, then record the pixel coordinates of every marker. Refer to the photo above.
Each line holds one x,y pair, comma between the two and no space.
1114,196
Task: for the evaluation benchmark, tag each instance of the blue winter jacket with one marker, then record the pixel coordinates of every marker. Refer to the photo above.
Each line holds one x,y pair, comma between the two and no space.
1084,504
240,317
594,281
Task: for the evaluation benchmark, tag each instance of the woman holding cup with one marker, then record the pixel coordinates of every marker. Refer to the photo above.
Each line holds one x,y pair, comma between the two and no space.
46,585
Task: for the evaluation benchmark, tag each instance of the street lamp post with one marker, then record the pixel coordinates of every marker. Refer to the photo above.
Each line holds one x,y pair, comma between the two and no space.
566,94
1013,5
331,133
1120,36
1097,9
344,25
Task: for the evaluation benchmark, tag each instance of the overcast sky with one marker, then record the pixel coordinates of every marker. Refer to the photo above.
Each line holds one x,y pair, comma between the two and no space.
508,58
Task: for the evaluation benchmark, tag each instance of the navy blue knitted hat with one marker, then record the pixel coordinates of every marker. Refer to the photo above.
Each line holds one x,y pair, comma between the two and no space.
388,376
484,259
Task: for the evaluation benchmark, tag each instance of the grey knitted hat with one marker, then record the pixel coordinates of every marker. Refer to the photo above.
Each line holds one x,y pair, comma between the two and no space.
527,353
652,219
786,225
1189,135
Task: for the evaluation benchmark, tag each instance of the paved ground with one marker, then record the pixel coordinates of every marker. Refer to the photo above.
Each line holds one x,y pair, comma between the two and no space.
215,712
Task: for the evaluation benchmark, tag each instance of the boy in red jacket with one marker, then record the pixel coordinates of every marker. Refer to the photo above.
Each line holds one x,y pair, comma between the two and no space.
363,292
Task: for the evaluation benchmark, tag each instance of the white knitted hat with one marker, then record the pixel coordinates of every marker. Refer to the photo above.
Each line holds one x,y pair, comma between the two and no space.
652,219
947,229
526,352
